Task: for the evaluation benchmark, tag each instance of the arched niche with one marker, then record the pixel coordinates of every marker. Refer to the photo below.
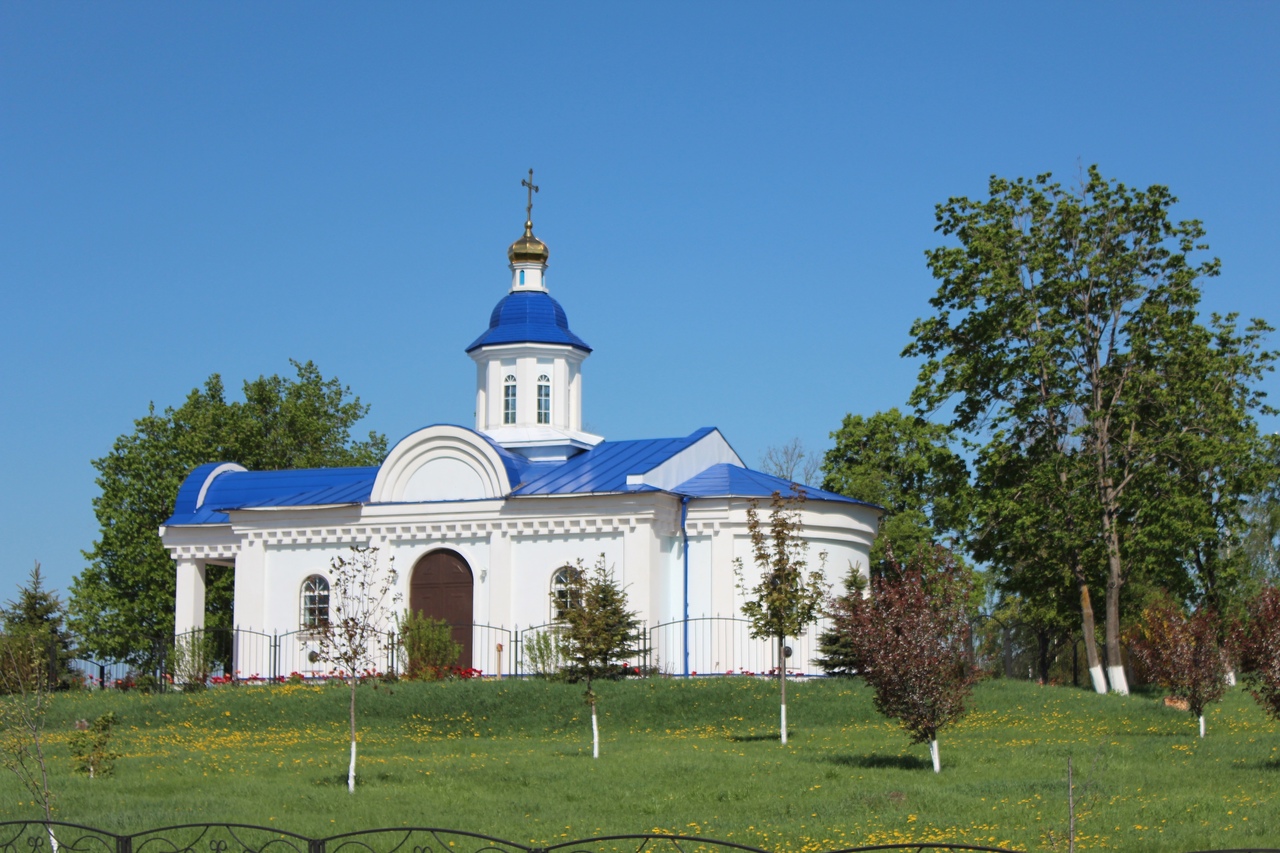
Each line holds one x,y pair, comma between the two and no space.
441,463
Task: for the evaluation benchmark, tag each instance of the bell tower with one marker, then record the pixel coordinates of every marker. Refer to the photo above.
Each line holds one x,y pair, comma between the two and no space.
529,363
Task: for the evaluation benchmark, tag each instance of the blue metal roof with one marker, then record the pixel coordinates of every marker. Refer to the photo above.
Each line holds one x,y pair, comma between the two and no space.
528,316
726,480
240,489
604,468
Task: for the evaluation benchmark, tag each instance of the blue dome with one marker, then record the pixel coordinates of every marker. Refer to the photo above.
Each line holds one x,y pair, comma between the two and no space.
528,317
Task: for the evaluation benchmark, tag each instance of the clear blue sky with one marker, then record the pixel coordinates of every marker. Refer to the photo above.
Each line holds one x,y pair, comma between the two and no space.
737,198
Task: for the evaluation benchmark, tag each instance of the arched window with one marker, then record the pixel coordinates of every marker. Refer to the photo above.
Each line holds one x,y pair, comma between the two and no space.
544,399
315,602
563,592
509,400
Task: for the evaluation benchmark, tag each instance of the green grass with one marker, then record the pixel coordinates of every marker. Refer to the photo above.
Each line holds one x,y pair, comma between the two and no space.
698,757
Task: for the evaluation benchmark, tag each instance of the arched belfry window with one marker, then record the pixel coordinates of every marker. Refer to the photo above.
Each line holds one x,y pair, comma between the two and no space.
315,602
544,399
564,594
509,399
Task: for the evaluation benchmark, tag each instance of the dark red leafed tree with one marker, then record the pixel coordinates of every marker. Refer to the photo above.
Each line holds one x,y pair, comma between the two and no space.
910,639
1260,650
1183,652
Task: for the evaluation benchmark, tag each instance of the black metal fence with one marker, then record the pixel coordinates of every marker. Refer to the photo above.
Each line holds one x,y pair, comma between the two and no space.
697,646
58,837
713,645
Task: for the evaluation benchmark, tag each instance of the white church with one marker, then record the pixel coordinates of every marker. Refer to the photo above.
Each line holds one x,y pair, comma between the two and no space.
483,520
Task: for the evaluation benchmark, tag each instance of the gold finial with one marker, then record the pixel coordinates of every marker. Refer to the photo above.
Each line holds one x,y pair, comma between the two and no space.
528,248
528,208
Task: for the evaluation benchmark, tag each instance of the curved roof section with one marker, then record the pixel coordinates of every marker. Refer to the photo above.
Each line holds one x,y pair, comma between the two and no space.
731,481
528,317
238,489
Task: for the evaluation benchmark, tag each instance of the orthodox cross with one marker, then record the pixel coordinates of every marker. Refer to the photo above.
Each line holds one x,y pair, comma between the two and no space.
533,188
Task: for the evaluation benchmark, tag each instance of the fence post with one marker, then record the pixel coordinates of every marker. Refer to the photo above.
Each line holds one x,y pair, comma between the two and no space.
124,844
315,845
275,656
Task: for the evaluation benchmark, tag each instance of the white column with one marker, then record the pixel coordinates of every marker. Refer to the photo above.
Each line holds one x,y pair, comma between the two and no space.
189,599
501,581
250,592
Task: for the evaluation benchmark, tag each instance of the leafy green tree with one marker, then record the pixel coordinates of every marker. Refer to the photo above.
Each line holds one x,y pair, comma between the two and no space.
600,633
1070,318
911,640
127,590
1261,535
906,465
1034,527
36,620
787,597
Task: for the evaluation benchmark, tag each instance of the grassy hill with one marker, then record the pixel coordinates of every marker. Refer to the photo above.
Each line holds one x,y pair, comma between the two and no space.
513,759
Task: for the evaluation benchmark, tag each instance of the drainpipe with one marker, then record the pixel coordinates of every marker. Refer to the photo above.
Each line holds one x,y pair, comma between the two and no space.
684,532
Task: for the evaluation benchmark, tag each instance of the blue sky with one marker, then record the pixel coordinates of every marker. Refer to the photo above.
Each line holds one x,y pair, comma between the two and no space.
737,198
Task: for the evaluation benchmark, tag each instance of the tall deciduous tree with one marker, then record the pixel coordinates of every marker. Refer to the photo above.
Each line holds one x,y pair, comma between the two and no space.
1071,318
788,596
1183,652
910,637
127,590
906,465
357,632
600,632
1035,526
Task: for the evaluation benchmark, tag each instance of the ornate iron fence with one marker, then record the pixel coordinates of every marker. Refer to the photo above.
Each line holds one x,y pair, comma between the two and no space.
42,837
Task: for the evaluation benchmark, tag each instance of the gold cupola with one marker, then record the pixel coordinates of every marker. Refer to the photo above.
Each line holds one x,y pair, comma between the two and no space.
528,249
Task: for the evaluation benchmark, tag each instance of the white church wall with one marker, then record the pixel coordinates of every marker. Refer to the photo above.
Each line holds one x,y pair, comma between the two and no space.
534,559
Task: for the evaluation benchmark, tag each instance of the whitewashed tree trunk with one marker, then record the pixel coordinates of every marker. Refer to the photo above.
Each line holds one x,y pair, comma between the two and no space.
933,753
1119,684
595,733
782,684
351,769
1231,677
1202,725
1099,680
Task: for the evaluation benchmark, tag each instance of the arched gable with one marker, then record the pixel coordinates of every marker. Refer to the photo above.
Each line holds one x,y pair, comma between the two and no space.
441,463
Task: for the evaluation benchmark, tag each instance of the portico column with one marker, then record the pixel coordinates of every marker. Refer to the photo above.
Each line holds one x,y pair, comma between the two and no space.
189,599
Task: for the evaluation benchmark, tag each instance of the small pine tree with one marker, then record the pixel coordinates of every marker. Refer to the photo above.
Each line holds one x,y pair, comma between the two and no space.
911,640
1182,653
600,633
38,618
836,648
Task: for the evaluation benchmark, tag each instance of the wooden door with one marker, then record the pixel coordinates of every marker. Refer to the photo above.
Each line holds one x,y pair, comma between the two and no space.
441,587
